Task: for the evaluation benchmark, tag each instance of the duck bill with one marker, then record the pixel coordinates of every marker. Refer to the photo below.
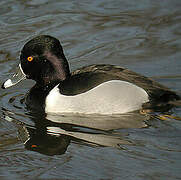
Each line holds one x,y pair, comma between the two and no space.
16,78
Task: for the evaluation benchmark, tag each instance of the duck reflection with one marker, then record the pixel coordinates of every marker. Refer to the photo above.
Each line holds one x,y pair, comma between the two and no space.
40,141
51,135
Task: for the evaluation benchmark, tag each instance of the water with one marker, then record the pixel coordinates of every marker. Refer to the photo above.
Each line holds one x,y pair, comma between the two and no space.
143,36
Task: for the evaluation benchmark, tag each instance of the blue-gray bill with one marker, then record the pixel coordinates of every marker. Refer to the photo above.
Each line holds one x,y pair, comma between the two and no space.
16,78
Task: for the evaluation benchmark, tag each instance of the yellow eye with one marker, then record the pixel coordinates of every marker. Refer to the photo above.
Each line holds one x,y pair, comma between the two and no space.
30,58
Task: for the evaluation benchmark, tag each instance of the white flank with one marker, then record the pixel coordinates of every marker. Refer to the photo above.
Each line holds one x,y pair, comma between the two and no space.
112,97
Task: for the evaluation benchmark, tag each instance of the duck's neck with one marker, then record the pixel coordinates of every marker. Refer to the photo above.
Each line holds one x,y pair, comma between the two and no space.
60,65
62,71
35,99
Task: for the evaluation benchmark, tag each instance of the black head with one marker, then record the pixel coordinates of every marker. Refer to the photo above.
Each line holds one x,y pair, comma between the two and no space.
42,59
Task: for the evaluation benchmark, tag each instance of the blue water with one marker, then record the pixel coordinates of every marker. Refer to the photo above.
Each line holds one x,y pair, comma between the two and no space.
144,36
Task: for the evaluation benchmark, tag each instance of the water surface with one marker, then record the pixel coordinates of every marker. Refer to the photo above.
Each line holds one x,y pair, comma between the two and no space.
144,36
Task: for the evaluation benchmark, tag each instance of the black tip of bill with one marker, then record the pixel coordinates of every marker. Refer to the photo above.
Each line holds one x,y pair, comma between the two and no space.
7,84
3,86
16,78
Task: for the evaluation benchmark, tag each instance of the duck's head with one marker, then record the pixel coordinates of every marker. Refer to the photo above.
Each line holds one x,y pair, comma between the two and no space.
41,59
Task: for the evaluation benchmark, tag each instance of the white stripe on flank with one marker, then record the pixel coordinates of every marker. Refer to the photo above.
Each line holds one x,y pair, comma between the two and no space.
112,97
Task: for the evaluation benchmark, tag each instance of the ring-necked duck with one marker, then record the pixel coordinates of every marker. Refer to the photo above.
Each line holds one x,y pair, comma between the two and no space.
101,89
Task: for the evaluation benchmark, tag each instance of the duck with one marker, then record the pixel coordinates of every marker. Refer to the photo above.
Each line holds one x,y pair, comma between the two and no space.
93,89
